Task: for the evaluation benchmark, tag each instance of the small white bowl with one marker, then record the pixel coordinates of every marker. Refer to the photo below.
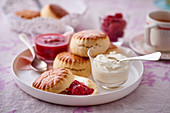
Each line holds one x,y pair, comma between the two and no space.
105,75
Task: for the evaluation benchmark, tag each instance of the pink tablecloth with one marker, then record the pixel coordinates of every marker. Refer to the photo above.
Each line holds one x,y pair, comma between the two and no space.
152,95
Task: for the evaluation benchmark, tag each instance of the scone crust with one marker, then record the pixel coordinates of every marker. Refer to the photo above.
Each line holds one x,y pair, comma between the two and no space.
55,80
27,14
58,11
91,84
90,35
82,41
76,64
112,48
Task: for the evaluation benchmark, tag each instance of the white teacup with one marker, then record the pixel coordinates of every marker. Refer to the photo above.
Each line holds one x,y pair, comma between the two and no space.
157,31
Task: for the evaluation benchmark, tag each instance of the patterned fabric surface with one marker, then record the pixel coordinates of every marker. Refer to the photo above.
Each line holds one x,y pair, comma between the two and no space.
152,95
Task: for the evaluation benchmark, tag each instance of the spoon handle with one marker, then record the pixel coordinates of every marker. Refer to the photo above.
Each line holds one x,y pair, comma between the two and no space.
152,57
24,38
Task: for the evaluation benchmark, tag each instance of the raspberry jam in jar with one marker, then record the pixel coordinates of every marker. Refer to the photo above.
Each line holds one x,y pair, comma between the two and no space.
47,46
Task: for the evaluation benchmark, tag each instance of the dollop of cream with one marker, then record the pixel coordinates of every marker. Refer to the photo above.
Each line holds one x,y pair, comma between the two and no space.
110,62
108,69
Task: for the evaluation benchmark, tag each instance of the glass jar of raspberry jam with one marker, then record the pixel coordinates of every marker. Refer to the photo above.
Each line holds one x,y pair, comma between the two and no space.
47,46
51,40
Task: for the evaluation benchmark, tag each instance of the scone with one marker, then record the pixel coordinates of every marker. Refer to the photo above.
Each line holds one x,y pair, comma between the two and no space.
62,81
112,48
77,65
53,11
27,14
56,80
82,41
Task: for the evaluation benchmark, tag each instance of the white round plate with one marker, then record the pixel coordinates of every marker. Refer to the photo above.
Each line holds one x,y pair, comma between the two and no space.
138,45
25,78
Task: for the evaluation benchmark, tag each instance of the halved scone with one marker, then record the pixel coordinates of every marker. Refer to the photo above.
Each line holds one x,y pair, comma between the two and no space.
62,81
56,80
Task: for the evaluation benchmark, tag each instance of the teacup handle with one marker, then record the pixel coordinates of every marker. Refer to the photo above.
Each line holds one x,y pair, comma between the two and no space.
148,33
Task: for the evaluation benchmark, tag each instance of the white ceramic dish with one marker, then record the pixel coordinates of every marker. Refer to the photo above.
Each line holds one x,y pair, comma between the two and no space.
25,78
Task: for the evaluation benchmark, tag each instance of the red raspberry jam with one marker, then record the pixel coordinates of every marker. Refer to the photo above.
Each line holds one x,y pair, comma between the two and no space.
79,88
47,46
113,26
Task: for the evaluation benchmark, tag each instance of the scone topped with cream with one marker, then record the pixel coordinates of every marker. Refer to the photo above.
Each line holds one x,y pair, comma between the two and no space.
82,41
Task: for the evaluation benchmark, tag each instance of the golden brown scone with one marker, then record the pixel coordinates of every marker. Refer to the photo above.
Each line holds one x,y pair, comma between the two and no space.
53,11
87,82
82,41
112,48
27,14
77,65
56,80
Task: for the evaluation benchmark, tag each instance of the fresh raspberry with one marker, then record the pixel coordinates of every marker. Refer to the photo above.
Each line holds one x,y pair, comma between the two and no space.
120,34
118,15
105,24
123,23
114,29
109,16
78,88
113,26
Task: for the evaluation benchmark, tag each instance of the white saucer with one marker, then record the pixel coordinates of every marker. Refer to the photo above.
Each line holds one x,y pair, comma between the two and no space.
24,79
138,45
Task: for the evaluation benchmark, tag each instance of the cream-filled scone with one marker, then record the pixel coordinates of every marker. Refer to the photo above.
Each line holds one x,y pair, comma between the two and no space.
53,11
77,65
56,80
82,41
